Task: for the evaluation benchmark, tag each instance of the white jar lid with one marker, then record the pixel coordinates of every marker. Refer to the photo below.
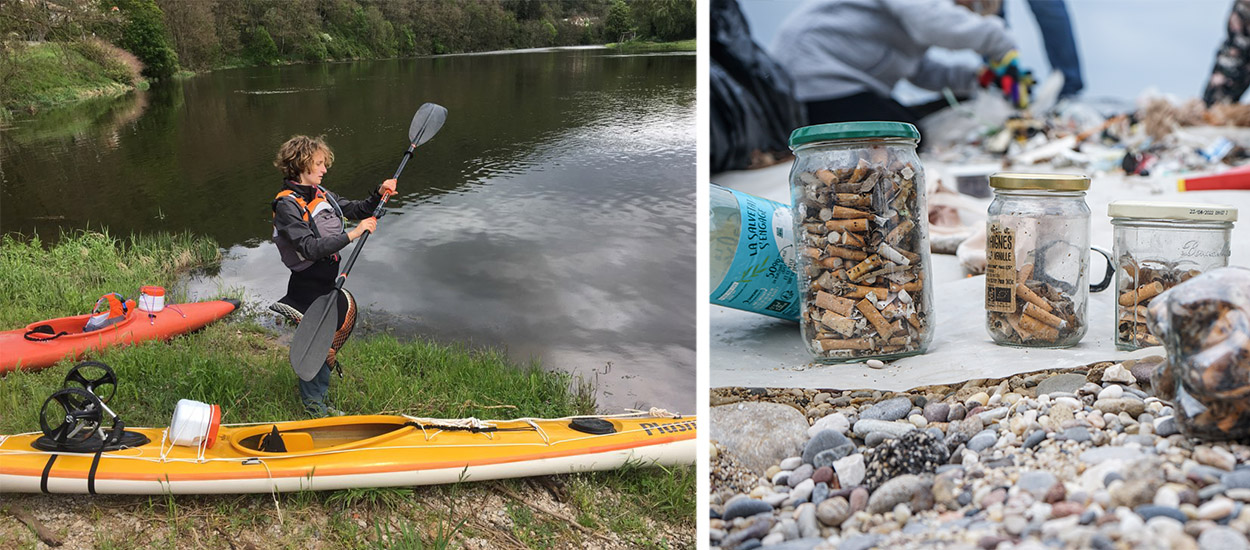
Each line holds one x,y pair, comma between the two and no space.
1172,211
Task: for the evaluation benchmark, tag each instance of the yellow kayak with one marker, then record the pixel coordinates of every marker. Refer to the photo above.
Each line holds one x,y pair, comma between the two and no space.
347,451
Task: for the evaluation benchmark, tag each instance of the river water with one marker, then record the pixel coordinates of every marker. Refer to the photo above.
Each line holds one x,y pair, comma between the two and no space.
553,215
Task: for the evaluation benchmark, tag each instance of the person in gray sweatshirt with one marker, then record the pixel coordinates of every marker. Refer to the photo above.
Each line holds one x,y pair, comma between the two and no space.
846,55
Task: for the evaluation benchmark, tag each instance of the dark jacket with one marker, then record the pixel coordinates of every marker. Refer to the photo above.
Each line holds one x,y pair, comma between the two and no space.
288,221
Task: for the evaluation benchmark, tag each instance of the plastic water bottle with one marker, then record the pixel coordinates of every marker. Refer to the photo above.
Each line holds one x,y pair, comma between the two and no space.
752,254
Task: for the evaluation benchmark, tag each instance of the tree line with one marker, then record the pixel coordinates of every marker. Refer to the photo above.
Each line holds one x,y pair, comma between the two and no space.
168,35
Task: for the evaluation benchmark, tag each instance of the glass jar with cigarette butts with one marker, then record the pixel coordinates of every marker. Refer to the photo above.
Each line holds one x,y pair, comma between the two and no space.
1159,245
1037,260
862,232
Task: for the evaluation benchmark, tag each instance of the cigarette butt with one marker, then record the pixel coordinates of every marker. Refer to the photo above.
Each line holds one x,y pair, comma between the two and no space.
844,213
890,311
838,304
826,177
1038,313
861,171
862,268
1038,329
1014,321
859,291
895,235
857,225
848,253
853,199
811,252
910,287
898,340
838,323
1025,272
830,344
870,312
1141,294
853,239
1031,297
914,320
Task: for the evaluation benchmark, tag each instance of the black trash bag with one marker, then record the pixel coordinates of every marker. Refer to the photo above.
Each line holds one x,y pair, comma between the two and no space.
753,105
1204,323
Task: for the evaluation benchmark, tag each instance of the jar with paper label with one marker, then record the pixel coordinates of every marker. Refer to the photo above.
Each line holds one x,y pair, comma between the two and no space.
1159,245
862,231
1037,260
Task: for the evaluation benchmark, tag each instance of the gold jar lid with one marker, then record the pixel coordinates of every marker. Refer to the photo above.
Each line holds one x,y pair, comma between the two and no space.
1044,182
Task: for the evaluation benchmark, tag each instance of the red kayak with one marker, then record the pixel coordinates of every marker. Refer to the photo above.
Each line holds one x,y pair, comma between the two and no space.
42,344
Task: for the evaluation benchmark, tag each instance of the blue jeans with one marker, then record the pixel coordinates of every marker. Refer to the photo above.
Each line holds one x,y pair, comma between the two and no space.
1052,20
313,392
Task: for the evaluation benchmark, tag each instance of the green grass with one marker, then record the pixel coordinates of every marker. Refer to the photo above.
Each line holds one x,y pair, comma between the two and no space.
239,365
637,46
54,73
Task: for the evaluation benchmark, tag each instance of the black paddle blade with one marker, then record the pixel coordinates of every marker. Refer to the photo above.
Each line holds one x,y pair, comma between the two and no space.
427,122
314,336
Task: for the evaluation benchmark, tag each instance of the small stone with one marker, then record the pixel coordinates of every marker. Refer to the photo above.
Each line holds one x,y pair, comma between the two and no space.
1215,457
902,512
897,490
993,415
1034,438
918,421
876,438
1114,391
789,463
1222,538
1167,497
893,429
805,517
802,491
859,499
850,470
1216,508
1239,479
1153,510
982,440
875,363
861,542
1066,508
828,457
890,409
820,493
1014,525
937,412
823,441
1166,426
833,512
980,398
957,412
1061,383
1078,434
822,474
836,422
1060,413
1117,373
1036,483
1131,405
741,507
799,475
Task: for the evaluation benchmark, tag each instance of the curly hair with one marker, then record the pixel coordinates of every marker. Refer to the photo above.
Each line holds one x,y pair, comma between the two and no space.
296,155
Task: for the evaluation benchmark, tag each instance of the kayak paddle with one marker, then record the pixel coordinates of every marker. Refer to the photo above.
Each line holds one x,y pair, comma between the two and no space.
316,331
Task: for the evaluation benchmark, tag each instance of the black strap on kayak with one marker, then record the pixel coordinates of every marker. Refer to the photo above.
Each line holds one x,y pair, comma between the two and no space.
95,462
43,329
47,468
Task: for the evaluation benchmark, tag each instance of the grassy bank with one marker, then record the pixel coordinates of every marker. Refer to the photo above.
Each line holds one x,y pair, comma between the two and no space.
47,74
242,366
645,46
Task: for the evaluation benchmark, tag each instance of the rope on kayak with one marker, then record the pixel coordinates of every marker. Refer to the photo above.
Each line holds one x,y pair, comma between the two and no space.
540,431
273,487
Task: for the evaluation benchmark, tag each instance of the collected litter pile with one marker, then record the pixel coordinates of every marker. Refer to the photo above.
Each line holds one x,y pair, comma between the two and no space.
1155,137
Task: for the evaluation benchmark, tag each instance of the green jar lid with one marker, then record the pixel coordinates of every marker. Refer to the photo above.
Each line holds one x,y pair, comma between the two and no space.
852,130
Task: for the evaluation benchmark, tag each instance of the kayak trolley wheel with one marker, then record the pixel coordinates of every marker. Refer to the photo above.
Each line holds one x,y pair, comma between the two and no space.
70,415
95,377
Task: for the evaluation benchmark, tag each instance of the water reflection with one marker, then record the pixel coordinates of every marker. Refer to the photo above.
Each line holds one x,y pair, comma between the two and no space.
553,215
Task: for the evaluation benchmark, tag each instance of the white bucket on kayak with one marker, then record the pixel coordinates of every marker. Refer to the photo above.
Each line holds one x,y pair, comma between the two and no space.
194,423
152,298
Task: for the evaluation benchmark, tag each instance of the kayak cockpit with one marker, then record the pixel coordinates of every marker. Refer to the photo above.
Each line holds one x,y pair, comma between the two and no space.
327,434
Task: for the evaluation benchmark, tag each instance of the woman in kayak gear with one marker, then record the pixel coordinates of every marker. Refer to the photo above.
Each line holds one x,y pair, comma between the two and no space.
308,229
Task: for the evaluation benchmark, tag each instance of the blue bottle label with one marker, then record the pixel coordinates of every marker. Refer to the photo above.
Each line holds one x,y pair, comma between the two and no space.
761,278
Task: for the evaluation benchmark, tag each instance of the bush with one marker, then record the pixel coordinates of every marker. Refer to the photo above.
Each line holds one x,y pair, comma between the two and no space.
260,47
145,36
118,64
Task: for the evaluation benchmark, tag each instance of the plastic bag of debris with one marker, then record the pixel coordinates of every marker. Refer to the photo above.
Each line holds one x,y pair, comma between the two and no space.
1204,323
